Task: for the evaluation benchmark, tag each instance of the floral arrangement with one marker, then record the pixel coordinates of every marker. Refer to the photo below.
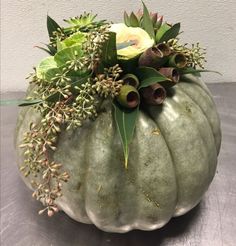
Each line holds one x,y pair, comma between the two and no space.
128,65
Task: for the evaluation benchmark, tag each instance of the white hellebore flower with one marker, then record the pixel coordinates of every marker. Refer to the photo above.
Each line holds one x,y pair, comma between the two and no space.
142,41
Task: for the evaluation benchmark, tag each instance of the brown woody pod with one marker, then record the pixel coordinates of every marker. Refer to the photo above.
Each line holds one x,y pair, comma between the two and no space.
154,94
178,60
164,48
152,57
131,79
170,73
128,96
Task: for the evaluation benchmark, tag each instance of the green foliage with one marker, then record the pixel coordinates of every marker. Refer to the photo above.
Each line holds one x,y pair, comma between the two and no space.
45,65
82,20
20,102
77,38
147,23
170,33
148,76
126,19
125,121
196,72
134,22
68,54
84,23
52,27
109,51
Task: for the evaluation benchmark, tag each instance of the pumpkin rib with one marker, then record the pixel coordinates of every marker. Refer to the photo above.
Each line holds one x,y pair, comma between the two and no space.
170,152
207,106
72,157
104,204
191,181
191,79
203,125
155,176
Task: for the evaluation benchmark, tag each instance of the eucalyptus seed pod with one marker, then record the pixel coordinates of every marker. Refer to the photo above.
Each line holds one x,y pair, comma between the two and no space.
178,60
131,79
154,94
128,96
164,48
152,57
170,73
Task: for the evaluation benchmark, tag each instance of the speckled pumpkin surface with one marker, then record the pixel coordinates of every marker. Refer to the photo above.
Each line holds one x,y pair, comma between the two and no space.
172,161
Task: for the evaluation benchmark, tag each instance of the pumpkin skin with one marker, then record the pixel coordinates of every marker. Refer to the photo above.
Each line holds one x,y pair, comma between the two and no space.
172,161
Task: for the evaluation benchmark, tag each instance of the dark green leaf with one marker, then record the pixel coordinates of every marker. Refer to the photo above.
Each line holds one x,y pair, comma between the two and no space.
19,102
52,26
44,49
161,31
129,66
51,73
123,45
109,52
54,97
83,79
126,19
149,76
147,22
171,33
52,49
191,70
134,20
125,121
24,103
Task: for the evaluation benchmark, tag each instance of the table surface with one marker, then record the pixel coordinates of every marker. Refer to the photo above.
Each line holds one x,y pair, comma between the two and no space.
212,222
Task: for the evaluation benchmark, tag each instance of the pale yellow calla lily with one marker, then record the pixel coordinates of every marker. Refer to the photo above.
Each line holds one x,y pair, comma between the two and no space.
142,41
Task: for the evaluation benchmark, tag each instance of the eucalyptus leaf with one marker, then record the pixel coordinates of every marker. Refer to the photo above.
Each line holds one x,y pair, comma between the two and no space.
147,22
24,103
149,76
19,102
52,26
125,122
109,52
191,70
173,32
54,97
161,31
82,79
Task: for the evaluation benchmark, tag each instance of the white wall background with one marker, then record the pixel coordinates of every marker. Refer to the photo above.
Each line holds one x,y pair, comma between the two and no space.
23,25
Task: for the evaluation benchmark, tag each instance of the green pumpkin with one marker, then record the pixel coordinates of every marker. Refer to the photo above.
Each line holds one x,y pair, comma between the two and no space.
172,161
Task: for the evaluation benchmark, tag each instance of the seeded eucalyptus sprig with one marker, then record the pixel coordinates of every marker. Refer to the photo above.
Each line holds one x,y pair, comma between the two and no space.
195,55
109,83
65,96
